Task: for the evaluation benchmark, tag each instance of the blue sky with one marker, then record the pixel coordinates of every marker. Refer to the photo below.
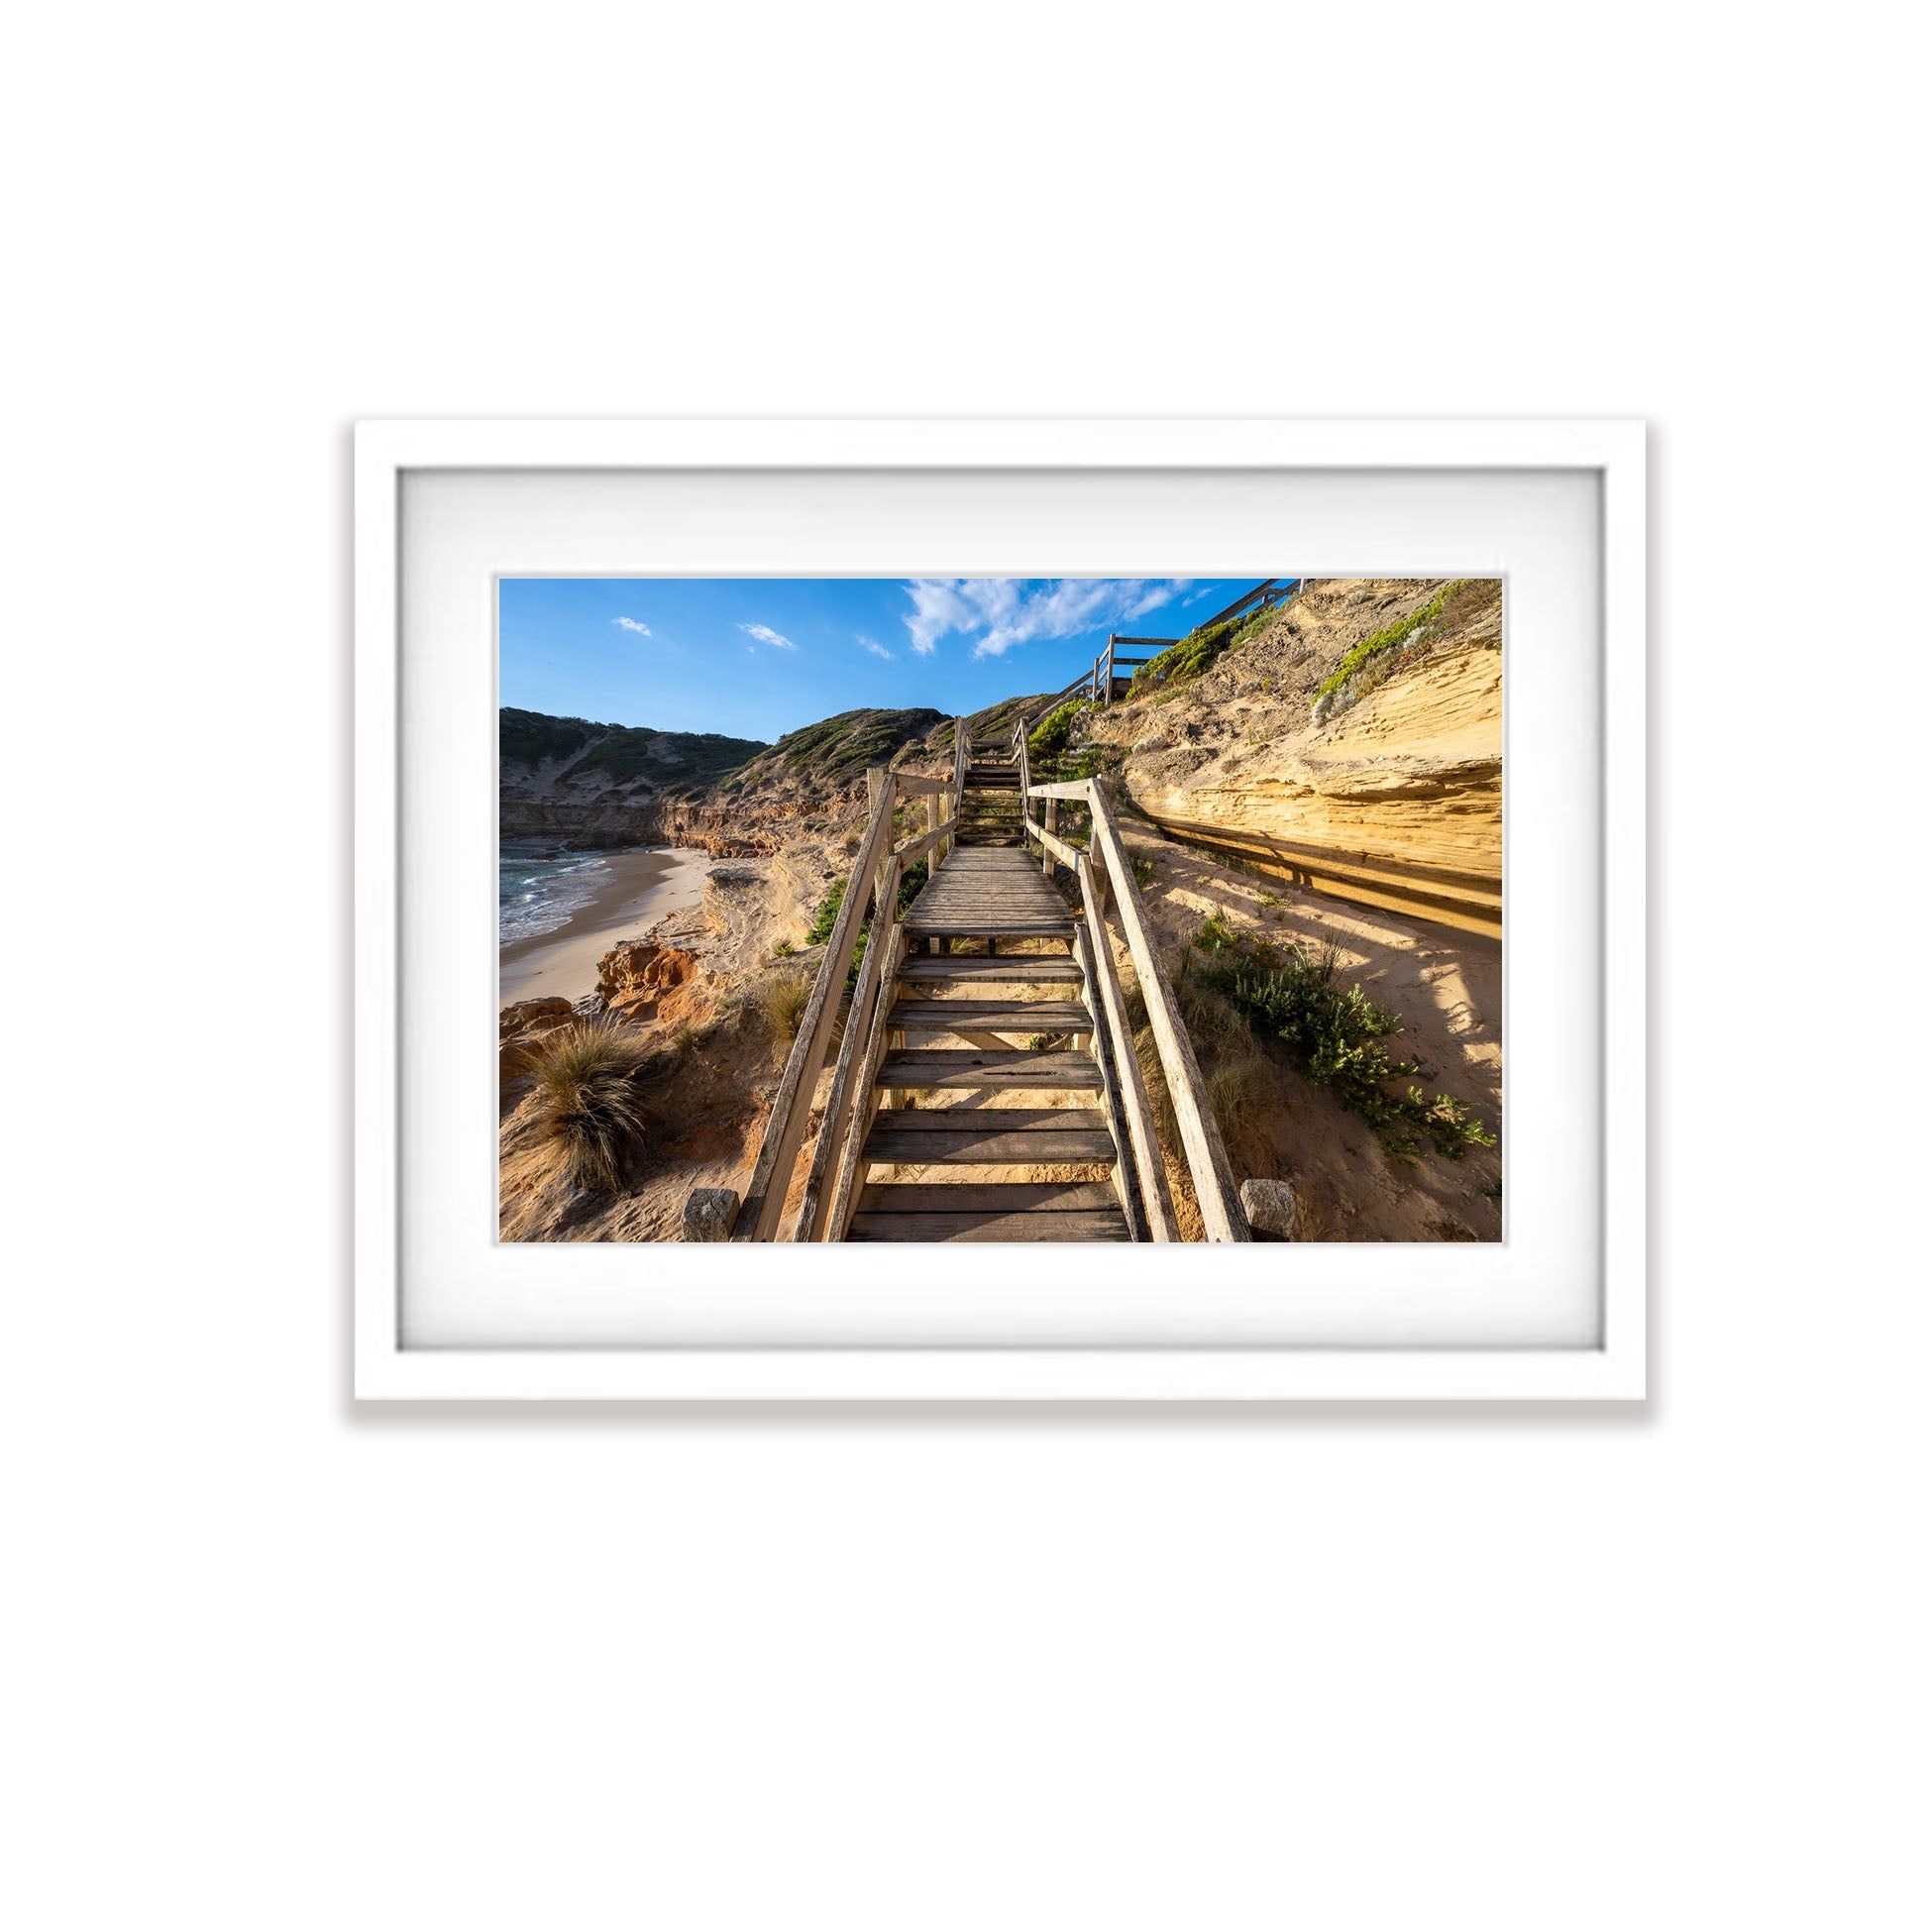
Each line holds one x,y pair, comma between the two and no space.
756,657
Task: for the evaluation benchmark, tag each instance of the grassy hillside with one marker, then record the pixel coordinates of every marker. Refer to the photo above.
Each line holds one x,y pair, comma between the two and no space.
833,753
534,738
678,763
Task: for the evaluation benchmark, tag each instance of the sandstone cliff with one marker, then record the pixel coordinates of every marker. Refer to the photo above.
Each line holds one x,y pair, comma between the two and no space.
1375,773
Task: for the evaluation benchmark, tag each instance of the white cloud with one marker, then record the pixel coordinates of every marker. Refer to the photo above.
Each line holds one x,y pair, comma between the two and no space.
631,623
765,634
1009,613
964,604
873,645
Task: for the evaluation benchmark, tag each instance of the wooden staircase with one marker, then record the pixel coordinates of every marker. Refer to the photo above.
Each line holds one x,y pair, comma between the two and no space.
971,1031
987,1085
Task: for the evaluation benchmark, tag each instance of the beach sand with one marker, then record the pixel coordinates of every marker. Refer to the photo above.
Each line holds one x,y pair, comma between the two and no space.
637,890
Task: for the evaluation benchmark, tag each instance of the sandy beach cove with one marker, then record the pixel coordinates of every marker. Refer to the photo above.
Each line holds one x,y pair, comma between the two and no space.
633,891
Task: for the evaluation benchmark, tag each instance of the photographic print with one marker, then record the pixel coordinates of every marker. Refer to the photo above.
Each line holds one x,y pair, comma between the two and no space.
1001,909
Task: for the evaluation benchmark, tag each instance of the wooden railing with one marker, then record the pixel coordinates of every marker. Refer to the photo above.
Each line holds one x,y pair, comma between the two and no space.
875,880
1470,901
1202,1147
1096,684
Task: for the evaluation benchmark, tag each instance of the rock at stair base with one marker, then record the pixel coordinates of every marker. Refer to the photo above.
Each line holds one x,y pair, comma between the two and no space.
709,1212
1270,1209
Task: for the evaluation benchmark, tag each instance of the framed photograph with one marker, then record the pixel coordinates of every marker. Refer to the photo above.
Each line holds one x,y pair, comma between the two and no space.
1000,911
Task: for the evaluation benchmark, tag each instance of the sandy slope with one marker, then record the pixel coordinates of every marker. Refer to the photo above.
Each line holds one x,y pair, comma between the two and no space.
1446,986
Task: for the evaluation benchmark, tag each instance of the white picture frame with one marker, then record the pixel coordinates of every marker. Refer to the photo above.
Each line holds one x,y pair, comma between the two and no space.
897,1368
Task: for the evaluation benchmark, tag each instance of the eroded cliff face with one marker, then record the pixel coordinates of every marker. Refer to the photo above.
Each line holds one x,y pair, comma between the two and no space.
617,824
1388,791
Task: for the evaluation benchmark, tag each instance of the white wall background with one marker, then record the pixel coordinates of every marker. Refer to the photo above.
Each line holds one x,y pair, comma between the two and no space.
273,1663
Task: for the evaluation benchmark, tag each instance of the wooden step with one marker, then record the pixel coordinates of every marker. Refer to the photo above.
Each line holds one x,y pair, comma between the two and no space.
988,924
997,1211
976,1197
985,1069
1109,1227
949,969
990,1016
991,1137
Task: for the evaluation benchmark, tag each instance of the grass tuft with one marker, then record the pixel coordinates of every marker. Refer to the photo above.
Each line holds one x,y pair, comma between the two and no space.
783,999
1237,1090
590,1100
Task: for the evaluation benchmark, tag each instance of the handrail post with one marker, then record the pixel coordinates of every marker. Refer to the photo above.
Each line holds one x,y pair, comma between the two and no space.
1025,786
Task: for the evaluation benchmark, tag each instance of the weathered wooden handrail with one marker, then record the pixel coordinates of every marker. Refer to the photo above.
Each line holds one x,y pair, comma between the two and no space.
778,1149
1201,1142
1068,855
1085,682
811,1208
874,879
1207,1156
853,1129
1105,987
910,855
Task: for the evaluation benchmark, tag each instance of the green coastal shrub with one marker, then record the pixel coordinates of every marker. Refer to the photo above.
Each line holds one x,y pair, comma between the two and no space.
1335,1035
1399,632
826,916
1195,653
1049,738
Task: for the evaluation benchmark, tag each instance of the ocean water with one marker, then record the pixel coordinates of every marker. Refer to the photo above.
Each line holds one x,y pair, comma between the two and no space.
537,894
